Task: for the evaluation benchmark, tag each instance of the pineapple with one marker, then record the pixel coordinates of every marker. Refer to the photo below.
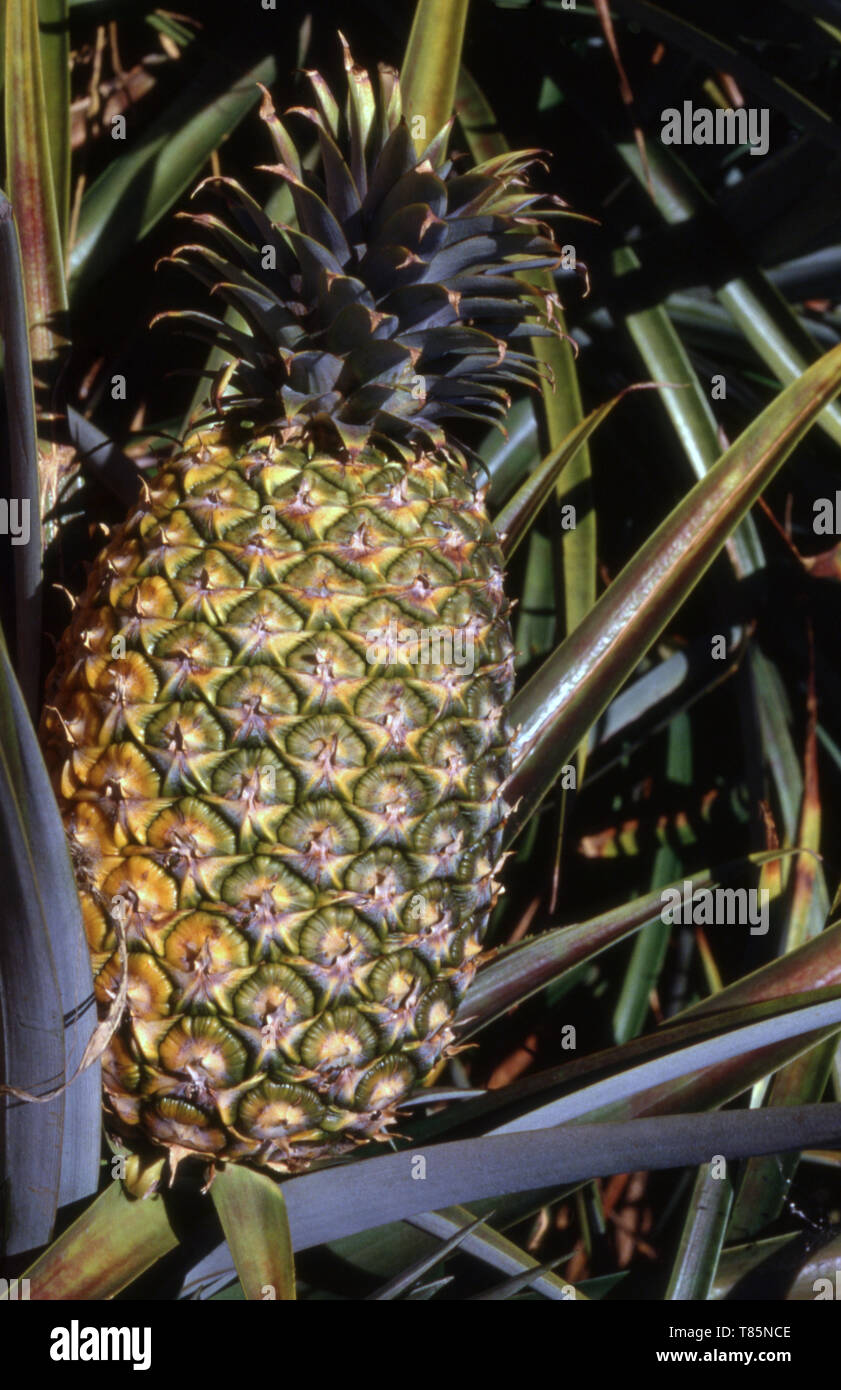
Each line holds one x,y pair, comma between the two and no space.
277,724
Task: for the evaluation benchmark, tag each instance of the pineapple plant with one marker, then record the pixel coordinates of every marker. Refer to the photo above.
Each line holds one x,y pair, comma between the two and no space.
282,729
277,725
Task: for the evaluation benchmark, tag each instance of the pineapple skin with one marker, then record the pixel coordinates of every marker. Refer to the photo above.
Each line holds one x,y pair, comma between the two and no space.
278,739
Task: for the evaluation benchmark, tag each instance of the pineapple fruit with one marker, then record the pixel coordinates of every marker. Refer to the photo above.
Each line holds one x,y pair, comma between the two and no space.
277,724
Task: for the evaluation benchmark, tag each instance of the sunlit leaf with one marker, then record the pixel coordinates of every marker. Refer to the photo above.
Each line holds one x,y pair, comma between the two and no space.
114,1240
430,66
253,1216
696,1259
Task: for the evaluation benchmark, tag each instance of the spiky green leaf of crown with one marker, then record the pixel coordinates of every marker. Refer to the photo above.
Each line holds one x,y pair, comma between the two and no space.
393,304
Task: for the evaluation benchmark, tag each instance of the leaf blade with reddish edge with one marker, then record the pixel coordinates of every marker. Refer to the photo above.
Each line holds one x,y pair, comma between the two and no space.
30,180
709,1072
110,1245
814,965
55,62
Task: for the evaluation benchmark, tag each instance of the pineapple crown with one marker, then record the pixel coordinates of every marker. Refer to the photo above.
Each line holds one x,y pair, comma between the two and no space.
394,303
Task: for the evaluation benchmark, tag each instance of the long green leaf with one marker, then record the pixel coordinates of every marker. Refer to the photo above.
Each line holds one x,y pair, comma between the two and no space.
649,953
665,1072
666,360
253,1215
55,63
509,1288
507,457
761,312
430,66
31,1022
401,1283
765,1182
817,962
114,1240
575,685
139,186
702,1236
513,521
520,971
29,180
562,406
514,975
496,1250
387,1252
